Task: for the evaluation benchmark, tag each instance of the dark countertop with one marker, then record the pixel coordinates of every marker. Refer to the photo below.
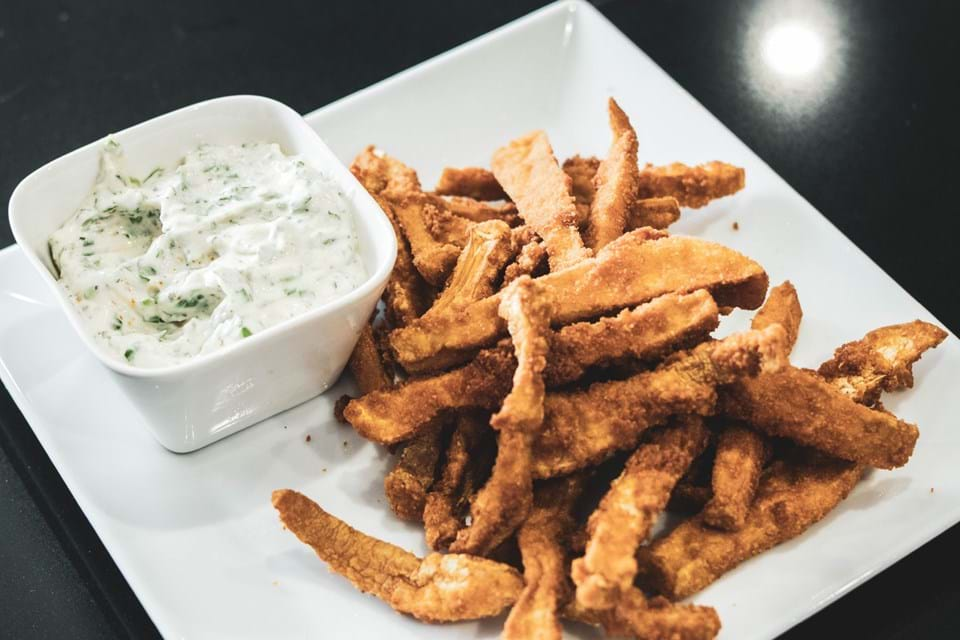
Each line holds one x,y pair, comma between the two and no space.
865,140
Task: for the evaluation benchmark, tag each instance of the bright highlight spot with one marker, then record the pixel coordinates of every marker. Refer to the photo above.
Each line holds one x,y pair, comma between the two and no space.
792,49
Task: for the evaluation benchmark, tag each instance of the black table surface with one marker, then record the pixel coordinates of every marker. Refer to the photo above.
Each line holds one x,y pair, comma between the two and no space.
866,137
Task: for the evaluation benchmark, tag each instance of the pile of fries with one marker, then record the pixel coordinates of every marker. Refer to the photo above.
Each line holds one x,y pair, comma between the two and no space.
545,373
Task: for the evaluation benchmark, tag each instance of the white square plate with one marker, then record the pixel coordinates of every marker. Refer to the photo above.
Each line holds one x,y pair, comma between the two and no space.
195,535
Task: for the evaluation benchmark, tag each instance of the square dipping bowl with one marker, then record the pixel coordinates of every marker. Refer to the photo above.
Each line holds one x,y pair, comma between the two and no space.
192,404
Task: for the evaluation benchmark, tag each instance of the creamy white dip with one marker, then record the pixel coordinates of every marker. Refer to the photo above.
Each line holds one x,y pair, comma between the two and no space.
189,259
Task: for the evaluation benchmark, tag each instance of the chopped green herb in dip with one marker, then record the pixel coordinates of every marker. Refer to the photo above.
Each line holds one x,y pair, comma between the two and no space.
185,260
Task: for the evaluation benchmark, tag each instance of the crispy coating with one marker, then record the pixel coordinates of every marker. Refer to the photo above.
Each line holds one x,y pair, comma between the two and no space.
366,363
792,496
616,181
658,213
531,258
781,307
438,588
645,333
506,499
470,182
528,172
799,405
629,509
488,249
406,295
406,485
480,211
634,616
881,361
629,271
581,172
447,500
434,259
585,427
692,186
542,539
741,454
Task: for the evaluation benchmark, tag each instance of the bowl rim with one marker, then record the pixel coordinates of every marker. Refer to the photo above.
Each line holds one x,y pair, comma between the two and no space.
380,223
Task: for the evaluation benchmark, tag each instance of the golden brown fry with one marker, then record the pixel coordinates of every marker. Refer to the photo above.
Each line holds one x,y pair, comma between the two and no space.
629,509
781,307
543,539
636,617
617,181
584,427
531,257
406,485
658,213
480,211
366,364
406,295
881,361
488,249
581,172
741,454
629,271
792,496
691,186
528,172
433,259
799,405
438,588
645,333
506,499
470,182
447,499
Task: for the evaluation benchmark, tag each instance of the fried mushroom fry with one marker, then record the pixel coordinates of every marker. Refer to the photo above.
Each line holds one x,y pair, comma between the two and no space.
433,258
506,499
782,307
480,211
542,539
470,182
488,248
658,213
581,172
406,485
645,333
693,187
631,270
528,172
616,183
437,588
366,363
629,509
881,361
634,616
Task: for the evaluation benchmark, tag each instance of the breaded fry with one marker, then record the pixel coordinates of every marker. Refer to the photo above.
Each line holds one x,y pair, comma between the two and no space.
543,539
470,182
432,258
528,172
616,181
581,172
488,249
629,509
692,186
658,213
442,223
447,500
406,295
438,588
634,616
645,333
799,405
792,496
781,307
366,363
881,361
506,499
741,454
590,289
584,427
406,485
480,211
531,257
